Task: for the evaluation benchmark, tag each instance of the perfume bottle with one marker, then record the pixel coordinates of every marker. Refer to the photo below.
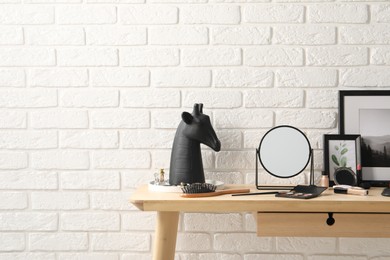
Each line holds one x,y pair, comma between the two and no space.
324,182
159,178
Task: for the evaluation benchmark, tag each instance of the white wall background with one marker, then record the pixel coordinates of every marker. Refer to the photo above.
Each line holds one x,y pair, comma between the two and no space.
91,92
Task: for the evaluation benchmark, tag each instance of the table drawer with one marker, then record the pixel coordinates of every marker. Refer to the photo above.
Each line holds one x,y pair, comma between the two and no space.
323,224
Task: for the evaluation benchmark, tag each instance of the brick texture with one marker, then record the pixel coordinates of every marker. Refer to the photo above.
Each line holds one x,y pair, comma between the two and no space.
92,91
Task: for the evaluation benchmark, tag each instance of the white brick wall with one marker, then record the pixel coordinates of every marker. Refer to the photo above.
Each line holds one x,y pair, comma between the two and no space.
91,92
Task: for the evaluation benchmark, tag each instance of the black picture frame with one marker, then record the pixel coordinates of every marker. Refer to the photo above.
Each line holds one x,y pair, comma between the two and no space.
337,150
367,112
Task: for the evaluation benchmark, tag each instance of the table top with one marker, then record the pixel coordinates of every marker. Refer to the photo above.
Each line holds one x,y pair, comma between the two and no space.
327,202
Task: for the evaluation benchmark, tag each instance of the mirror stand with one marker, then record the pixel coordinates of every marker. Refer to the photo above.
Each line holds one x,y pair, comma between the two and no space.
312,168
267,187
284,187
284,152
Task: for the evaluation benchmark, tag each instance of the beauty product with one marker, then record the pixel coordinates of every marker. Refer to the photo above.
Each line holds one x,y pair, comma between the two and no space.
346,176
324,182
161,177
347,189
156,178
296,195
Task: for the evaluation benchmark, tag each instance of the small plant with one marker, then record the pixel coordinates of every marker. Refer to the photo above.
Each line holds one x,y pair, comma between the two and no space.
339,158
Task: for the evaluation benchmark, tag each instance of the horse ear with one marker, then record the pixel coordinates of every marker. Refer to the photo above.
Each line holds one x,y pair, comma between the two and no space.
187,117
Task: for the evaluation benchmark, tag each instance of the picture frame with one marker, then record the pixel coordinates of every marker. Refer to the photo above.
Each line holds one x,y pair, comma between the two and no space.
342,151
367,112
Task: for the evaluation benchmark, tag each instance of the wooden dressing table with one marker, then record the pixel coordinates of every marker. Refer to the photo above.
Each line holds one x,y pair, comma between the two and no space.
330,215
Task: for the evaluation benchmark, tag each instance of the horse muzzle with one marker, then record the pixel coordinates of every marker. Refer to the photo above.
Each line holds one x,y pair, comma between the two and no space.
217,146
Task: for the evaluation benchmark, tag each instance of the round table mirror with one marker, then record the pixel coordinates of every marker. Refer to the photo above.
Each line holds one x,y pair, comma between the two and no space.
284,151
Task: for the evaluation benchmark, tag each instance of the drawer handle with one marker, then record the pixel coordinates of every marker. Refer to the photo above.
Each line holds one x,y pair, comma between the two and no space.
330,221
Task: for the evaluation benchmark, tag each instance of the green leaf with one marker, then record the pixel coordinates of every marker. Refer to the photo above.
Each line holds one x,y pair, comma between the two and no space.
345,150
343,161
334,159
336,147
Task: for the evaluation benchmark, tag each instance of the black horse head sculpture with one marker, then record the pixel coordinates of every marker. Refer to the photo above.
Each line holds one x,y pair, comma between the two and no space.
186,158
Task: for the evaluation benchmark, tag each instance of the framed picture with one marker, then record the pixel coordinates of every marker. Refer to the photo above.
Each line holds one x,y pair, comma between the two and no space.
367,112
342,151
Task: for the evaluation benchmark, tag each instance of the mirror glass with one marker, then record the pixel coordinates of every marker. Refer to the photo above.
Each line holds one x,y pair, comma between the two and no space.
284,151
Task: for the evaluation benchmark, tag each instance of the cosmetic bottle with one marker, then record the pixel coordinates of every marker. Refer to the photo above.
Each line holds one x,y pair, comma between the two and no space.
324,182
162,180
159,177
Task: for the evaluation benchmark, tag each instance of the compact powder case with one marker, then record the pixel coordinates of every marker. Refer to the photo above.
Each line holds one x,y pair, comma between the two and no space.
345,176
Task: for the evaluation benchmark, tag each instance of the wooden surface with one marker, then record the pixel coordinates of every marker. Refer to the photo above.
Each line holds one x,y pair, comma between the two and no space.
165,236
355,216
315,225
327,202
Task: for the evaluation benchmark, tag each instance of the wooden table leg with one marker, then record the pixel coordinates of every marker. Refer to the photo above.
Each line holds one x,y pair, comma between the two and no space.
165,236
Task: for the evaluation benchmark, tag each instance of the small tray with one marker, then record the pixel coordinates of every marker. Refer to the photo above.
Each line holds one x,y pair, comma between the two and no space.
170,188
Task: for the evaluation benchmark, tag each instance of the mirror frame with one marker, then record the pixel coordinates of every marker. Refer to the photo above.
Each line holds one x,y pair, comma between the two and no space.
258,157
